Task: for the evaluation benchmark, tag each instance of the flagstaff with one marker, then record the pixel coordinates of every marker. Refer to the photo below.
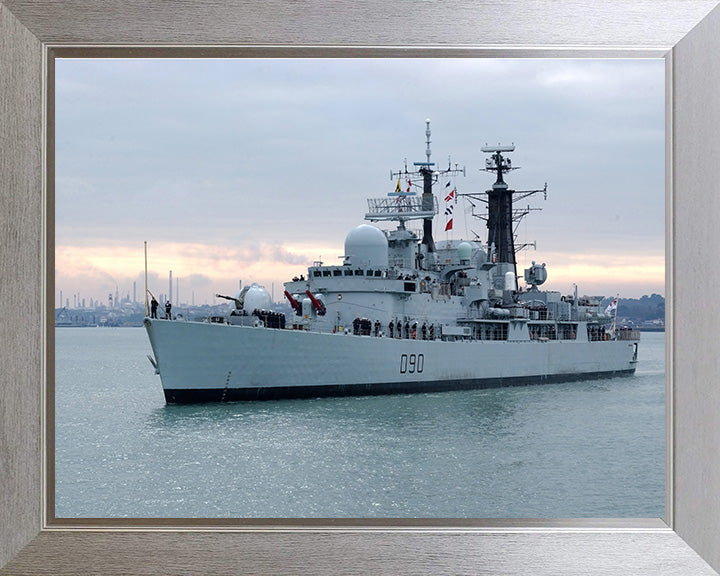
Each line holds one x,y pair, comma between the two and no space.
617,301
147,311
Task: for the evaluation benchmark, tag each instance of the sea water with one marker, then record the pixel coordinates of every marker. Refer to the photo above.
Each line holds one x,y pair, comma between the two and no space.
585,449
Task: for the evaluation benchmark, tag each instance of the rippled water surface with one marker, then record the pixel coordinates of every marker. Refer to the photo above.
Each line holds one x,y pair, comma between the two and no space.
583,449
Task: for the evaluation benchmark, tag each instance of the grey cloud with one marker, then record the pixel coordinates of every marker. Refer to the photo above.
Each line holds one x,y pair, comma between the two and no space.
233,153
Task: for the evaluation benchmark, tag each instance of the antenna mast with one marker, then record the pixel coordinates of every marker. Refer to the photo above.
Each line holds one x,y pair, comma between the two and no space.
501,215
429,177
500,232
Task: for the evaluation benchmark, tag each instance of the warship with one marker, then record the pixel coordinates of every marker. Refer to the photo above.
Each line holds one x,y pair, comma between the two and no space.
402,312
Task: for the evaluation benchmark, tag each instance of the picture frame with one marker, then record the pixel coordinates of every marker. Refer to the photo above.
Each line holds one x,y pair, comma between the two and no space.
686,542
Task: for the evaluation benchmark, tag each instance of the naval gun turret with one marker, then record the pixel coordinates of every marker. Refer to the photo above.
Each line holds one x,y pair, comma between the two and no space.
250,298
237,301
253,301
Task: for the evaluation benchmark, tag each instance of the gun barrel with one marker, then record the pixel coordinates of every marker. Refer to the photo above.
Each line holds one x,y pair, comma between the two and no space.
228,298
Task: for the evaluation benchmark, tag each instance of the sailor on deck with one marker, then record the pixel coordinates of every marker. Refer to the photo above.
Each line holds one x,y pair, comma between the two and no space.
153,308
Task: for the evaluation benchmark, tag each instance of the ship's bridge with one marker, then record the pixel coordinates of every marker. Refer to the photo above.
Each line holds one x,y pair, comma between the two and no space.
346,278
345,271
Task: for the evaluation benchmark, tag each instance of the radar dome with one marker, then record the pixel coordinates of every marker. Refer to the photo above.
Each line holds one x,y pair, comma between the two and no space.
257,298
464,251
366,246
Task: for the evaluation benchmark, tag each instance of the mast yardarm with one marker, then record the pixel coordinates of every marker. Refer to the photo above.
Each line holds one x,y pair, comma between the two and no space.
502,217
429,177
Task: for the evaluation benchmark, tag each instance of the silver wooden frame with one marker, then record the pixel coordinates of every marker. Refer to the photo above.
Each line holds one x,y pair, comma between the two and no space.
33,33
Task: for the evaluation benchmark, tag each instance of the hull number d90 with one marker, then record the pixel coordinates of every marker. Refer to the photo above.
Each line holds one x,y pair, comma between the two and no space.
412,363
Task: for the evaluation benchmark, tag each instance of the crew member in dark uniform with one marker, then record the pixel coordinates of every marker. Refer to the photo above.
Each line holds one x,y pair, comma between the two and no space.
153,308
168,308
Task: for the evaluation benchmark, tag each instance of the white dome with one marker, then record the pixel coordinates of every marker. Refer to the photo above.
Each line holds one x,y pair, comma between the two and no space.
464,250
366,246
258,298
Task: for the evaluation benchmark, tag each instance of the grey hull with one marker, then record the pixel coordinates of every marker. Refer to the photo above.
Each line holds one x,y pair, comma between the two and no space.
202,362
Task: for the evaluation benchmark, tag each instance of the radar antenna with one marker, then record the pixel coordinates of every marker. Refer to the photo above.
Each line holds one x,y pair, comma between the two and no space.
407,208
502,218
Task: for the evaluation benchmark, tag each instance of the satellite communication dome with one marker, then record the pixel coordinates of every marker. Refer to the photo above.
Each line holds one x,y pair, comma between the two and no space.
366,246
257,298
464,251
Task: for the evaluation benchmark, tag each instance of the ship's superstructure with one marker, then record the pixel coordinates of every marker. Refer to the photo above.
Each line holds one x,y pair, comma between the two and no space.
401,313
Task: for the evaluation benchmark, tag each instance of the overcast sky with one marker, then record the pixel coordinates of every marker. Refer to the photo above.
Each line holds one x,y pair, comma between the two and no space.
252,169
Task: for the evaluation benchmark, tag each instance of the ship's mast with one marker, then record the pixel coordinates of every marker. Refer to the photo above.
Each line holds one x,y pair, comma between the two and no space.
501,216
429,177
427,195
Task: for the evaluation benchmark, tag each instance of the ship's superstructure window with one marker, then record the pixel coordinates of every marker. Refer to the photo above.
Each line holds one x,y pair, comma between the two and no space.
348,272
337,272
